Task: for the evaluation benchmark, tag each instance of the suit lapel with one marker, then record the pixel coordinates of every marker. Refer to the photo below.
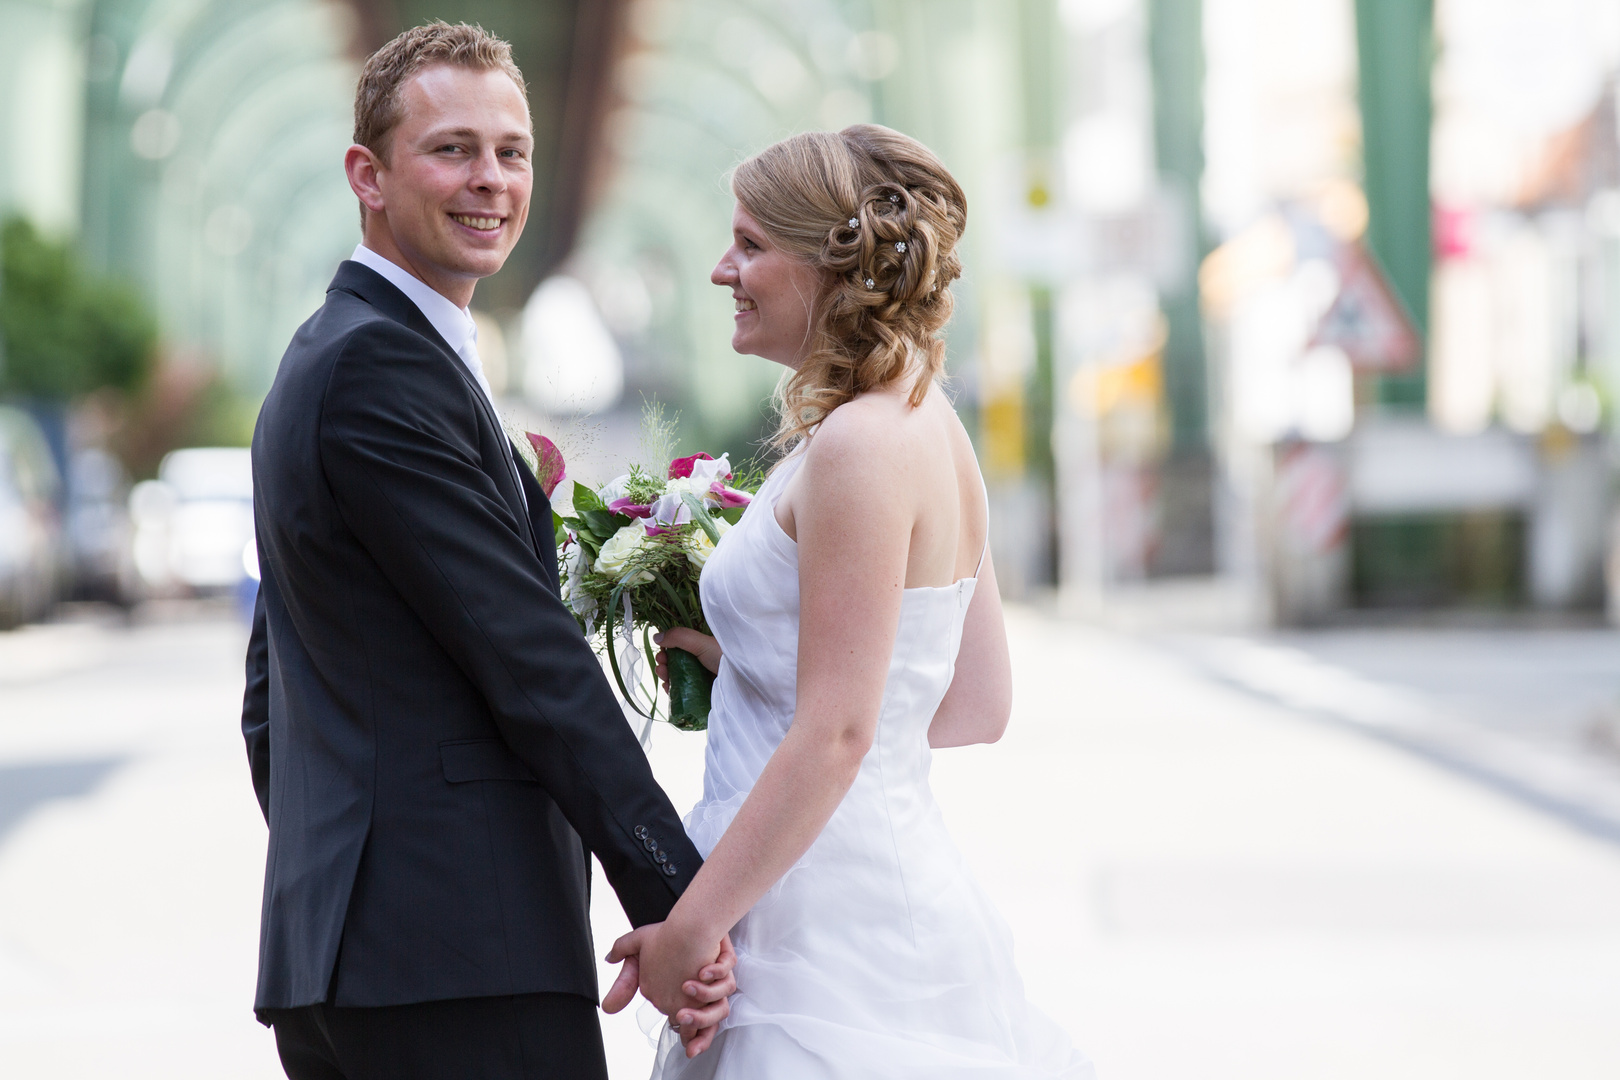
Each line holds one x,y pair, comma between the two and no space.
380,293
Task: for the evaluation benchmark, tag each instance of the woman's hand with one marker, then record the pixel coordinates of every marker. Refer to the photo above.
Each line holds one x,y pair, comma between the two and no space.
702,646
695,1006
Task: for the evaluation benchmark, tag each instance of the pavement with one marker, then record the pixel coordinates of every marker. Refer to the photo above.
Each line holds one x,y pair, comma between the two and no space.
1221,856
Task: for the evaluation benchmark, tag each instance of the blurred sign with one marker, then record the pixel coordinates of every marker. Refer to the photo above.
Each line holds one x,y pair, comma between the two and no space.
1313,498
1053,244
1367,320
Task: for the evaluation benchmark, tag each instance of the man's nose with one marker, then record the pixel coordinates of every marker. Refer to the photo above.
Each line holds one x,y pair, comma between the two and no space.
487,174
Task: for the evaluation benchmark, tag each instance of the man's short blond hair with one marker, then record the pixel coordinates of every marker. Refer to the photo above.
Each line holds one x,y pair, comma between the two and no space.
377,105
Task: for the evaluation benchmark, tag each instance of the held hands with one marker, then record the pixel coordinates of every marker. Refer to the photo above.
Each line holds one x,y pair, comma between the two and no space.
654,960
702,646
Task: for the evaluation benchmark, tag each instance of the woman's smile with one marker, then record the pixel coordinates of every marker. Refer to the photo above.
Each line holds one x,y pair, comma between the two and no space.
774,294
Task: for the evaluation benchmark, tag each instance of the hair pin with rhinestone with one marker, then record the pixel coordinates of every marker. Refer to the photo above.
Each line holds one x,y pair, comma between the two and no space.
895,197
900,246
870,284
854,223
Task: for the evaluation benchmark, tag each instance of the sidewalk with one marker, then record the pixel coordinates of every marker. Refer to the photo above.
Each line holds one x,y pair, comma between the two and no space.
1202,883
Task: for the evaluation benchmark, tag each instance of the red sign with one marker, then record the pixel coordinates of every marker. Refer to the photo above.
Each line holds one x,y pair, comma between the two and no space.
1367,320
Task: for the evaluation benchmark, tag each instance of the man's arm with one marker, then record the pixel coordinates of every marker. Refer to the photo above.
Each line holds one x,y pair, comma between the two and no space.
256,706
400,452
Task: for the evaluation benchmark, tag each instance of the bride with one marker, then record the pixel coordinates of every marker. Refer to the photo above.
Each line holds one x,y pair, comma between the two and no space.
857,625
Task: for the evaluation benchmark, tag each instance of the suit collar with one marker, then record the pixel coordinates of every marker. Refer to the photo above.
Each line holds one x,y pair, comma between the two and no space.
386,297
376,290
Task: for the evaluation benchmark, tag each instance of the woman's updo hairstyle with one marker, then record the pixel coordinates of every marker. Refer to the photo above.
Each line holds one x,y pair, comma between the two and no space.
880,216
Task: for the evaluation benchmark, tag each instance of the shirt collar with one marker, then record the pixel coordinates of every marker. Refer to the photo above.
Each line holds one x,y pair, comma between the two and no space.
454,324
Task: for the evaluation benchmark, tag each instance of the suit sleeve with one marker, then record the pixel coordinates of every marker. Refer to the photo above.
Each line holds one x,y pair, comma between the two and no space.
256,707
399,450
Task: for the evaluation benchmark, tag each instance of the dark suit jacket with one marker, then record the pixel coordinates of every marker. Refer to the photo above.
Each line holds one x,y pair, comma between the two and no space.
431,739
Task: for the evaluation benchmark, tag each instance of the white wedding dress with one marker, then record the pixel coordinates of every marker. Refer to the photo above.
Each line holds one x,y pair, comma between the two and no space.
877,955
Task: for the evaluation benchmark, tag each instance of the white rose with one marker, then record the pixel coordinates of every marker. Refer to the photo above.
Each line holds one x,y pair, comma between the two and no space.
699,547
620,548
681,485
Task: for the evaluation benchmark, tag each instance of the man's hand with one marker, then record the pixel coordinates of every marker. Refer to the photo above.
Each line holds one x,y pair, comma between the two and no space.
695,1007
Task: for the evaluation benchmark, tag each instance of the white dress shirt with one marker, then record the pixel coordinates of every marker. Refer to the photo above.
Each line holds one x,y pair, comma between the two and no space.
454,324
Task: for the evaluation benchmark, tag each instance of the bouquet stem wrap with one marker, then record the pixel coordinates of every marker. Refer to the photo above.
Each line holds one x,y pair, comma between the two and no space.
689,686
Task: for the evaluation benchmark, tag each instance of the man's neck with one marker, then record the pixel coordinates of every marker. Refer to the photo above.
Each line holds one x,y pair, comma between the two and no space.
380,239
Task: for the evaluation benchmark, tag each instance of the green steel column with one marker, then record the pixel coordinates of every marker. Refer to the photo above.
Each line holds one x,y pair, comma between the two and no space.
1395,39
1176,50
1040,37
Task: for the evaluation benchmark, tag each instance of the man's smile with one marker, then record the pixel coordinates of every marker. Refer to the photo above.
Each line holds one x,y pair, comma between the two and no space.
473,221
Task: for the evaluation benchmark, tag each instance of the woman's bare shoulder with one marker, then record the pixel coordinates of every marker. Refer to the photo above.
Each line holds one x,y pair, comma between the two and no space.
861,433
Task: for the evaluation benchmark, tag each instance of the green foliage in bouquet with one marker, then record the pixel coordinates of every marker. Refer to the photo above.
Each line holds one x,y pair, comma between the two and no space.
632,554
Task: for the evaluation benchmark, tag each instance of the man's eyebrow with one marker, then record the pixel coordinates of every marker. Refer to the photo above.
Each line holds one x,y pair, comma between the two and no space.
469,133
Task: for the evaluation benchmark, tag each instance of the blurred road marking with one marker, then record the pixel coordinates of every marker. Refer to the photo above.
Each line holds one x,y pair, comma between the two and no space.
1577,789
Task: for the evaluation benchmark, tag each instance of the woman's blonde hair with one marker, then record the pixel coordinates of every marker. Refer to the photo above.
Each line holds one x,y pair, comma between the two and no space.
880,216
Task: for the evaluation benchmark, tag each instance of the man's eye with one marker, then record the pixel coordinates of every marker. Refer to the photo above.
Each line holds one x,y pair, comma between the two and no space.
512,154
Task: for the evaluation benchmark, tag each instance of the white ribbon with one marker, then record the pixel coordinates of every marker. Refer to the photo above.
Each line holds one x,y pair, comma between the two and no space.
630,659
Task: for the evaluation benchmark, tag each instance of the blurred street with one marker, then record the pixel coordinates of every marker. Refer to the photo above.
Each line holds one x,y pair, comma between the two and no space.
1209,872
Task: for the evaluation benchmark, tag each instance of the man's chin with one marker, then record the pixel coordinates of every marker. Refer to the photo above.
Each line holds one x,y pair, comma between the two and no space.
477,263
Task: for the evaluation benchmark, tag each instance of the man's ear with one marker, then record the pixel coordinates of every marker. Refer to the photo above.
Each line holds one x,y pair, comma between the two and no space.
363,167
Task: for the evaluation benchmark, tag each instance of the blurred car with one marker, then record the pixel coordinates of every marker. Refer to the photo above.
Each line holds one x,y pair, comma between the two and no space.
194,523
31,546
100,535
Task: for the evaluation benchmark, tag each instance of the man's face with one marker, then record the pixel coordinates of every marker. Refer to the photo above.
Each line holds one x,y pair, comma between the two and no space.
456,183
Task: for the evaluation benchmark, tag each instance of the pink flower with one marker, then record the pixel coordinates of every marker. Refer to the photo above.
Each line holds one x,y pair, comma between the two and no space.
681,467
550,469
629,508
728,497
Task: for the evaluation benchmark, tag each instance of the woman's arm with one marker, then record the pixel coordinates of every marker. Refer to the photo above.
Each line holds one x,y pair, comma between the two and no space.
978,704
852,565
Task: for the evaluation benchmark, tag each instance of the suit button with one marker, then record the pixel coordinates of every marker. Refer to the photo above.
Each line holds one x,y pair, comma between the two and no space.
650,844
660,858
670,869
640,831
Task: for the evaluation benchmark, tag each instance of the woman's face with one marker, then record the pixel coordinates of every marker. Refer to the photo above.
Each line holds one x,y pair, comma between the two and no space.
775,294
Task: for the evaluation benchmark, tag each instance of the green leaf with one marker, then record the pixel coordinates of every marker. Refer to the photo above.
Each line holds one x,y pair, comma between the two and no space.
604,524
732,514
701,516
585,499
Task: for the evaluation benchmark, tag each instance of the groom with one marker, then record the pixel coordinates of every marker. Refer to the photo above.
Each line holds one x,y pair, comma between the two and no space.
431,740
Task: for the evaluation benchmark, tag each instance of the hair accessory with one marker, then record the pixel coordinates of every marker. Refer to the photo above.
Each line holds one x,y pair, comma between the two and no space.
895,197
900,246
870,284
854,223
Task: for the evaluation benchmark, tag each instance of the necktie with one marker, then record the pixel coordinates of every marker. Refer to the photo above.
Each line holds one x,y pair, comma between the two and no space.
469,355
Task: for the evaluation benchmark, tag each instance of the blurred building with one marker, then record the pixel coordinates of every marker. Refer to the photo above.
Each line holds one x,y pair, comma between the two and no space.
197,148
1311,304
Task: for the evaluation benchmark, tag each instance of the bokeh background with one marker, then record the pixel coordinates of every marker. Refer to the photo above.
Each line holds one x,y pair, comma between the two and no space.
1289,338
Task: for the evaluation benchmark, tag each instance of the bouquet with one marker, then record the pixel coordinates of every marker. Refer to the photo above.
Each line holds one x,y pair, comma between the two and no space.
631,553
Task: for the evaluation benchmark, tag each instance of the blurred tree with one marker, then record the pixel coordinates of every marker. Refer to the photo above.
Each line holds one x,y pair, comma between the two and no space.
65,331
